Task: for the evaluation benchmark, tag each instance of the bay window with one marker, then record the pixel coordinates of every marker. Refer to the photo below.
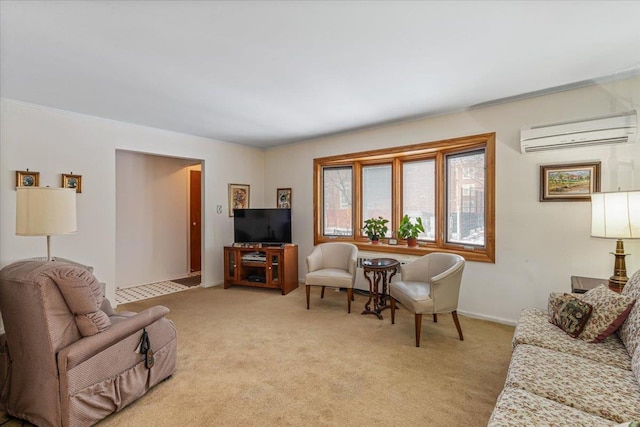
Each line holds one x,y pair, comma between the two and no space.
448,184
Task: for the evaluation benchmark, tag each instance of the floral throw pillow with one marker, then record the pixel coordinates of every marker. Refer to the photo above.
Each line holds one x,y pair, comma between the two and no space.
610,309
568,313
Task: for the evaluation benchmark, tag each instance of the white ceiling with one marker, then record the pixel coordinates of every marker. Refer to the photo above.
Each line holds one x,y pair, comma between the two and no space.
270,73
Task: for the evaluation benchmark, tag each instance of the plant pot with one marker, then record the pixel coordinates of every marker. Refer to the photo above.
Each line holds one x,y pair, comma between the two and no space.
412,242
375,240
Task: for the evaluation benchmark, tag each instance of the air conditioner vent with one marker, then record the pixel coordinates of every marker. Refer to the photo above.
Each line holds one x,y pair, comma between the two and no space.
617,128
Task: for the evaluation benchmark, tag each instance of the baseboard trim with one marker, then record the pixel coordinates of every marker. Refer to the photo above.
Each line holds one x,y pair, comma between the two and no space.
211,285
489,318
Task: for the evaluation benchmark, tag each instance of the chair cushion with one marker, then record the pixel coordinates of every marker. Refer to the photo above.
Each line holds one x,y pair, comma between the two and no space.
609,311
332,277
83,295
416,296
568,313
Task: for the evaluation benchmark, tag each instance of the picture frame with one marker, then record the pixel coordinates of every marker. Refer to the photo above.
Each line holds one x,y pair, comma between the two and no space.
283,198
238,197
392,241
72,181
572,182
27,179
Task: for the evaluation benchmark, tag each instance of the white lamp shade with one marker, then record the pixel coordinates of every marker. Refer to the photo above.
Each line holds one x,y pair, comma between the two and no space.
616,215
45,211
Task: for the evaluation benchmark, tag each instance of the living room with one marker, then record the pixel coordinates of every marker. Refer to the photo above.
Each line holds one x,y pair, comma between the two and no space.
538,245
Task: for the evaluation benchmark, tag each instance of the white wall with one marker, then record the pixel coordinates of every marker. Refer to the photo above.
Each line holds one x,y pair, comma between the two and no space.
152,218
538,245
53,142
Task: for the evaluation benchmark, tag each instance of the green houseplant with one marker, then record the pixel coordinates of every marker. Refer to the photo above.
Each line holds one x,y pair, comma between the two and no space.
409,231
375,228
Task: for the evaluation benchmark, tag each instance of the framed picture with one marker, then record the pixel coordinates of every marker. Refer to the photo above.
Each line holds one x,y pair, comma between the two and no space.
27,179
283,198
238,197
72,181
570,182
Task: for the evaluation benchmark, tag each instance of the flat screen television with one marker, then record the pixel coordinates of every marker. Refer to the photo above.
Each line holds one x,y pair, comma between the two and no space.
262,226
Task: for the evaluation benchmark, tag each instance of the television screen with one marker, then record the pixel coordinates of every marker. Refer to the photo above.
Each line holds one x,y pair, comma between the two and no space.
262,225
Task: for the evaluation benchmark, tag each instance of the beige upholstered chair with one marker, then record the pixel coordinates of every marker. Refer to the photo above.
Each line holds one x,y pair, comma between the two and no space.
429,285
333,265
66,357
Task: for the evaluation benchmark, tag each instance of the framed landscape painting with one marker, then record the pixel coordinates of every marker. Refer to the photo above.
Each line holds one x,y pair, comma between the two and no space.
569,182
238,197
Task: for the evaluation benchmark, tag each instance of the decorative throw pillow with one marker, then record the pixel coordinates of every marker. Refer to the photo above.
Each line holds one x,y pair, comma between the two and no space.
568,313
610,309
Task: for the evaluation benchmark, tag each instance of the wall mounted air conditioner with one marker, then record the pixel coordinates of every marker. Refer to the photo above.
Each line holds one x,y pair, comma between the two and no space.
616,128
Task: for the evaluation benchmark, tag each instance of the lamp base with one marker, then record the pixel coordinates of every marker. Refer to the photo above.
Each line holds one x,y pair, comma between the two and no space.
619,278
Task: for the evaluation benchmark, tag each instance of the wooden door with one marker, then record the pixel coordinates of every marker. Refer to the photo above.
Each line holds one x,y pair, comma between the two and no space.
195,209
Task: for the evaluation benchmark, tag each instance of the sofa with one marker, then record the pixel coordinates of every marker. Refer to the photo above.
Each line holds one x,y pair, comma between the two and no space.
557,379
66,357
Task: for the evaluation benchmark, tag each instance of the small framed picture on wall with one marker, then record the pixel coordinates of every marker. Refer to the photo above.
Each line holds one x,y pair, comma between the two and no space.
283,198
27,179
72,181
572,182
238,197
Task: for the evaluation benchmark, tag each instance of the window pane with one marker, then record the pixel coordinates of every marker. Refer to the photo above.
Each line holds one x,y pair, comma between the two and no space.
419,195
376,193
465,198
337,196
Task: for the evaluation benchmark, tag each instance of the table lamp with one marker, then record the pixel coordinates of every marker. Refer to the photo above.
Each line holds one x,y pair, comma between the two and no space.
45,211
616,215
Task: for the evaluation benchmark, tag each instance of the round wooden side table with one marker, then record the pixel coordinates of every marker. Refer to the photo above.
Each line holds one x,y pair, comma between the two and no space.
375,271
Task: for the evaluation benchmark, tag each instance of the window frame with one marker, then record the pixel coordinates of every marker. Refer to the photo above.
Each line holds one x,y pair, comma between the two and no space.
438,150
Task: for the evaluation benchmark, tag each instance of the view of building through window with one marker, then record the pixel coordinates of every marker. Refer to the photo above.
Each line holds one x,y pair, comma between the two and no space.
338,201
418,195
376,193
465,197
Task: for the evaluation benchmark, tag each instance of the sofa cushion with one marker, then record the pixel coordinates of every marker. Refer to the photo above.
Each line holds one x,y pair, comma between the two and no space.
568,313
517,407
534,328
589,386
629,332
609,311
635,364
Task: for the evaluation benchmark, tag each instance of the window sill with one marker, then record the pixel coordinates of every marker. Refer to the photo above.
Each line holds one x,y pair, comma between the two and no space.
477,255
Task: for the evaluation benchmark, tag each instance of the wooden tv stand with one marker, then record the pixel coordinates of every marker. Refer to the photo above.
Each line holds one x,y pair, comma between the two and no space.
274,267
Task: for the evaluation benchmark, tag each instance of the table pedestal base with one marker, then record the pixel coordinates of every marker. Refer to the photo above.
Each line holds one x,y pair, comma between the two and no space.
376,271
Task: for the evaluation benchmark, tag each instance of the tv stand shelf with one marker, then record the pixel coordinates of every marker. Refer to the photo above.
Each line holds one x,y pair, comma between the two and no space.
277,270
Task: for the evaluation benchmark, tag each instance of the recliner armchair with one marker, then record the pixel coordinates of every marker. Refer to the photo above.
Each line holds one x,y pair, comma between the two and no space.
67,358
429,285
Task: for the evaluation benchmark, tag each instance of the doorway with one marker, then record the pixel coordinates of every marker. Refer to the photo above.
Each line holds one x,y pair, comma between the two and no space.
153,219
195,215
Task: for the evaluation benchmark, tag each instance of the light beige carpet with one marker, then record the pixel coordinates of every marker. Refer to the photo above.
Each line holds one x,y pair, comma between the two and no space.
252,357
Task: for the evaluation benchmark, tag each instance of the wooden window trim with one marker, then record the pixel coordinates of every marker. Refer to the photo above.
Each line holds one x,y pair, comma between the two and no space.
396,156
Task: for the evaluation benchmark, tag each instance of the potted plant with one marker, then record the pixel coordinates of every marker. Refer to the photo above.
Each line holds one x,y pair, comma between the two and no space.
409,231
375,228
